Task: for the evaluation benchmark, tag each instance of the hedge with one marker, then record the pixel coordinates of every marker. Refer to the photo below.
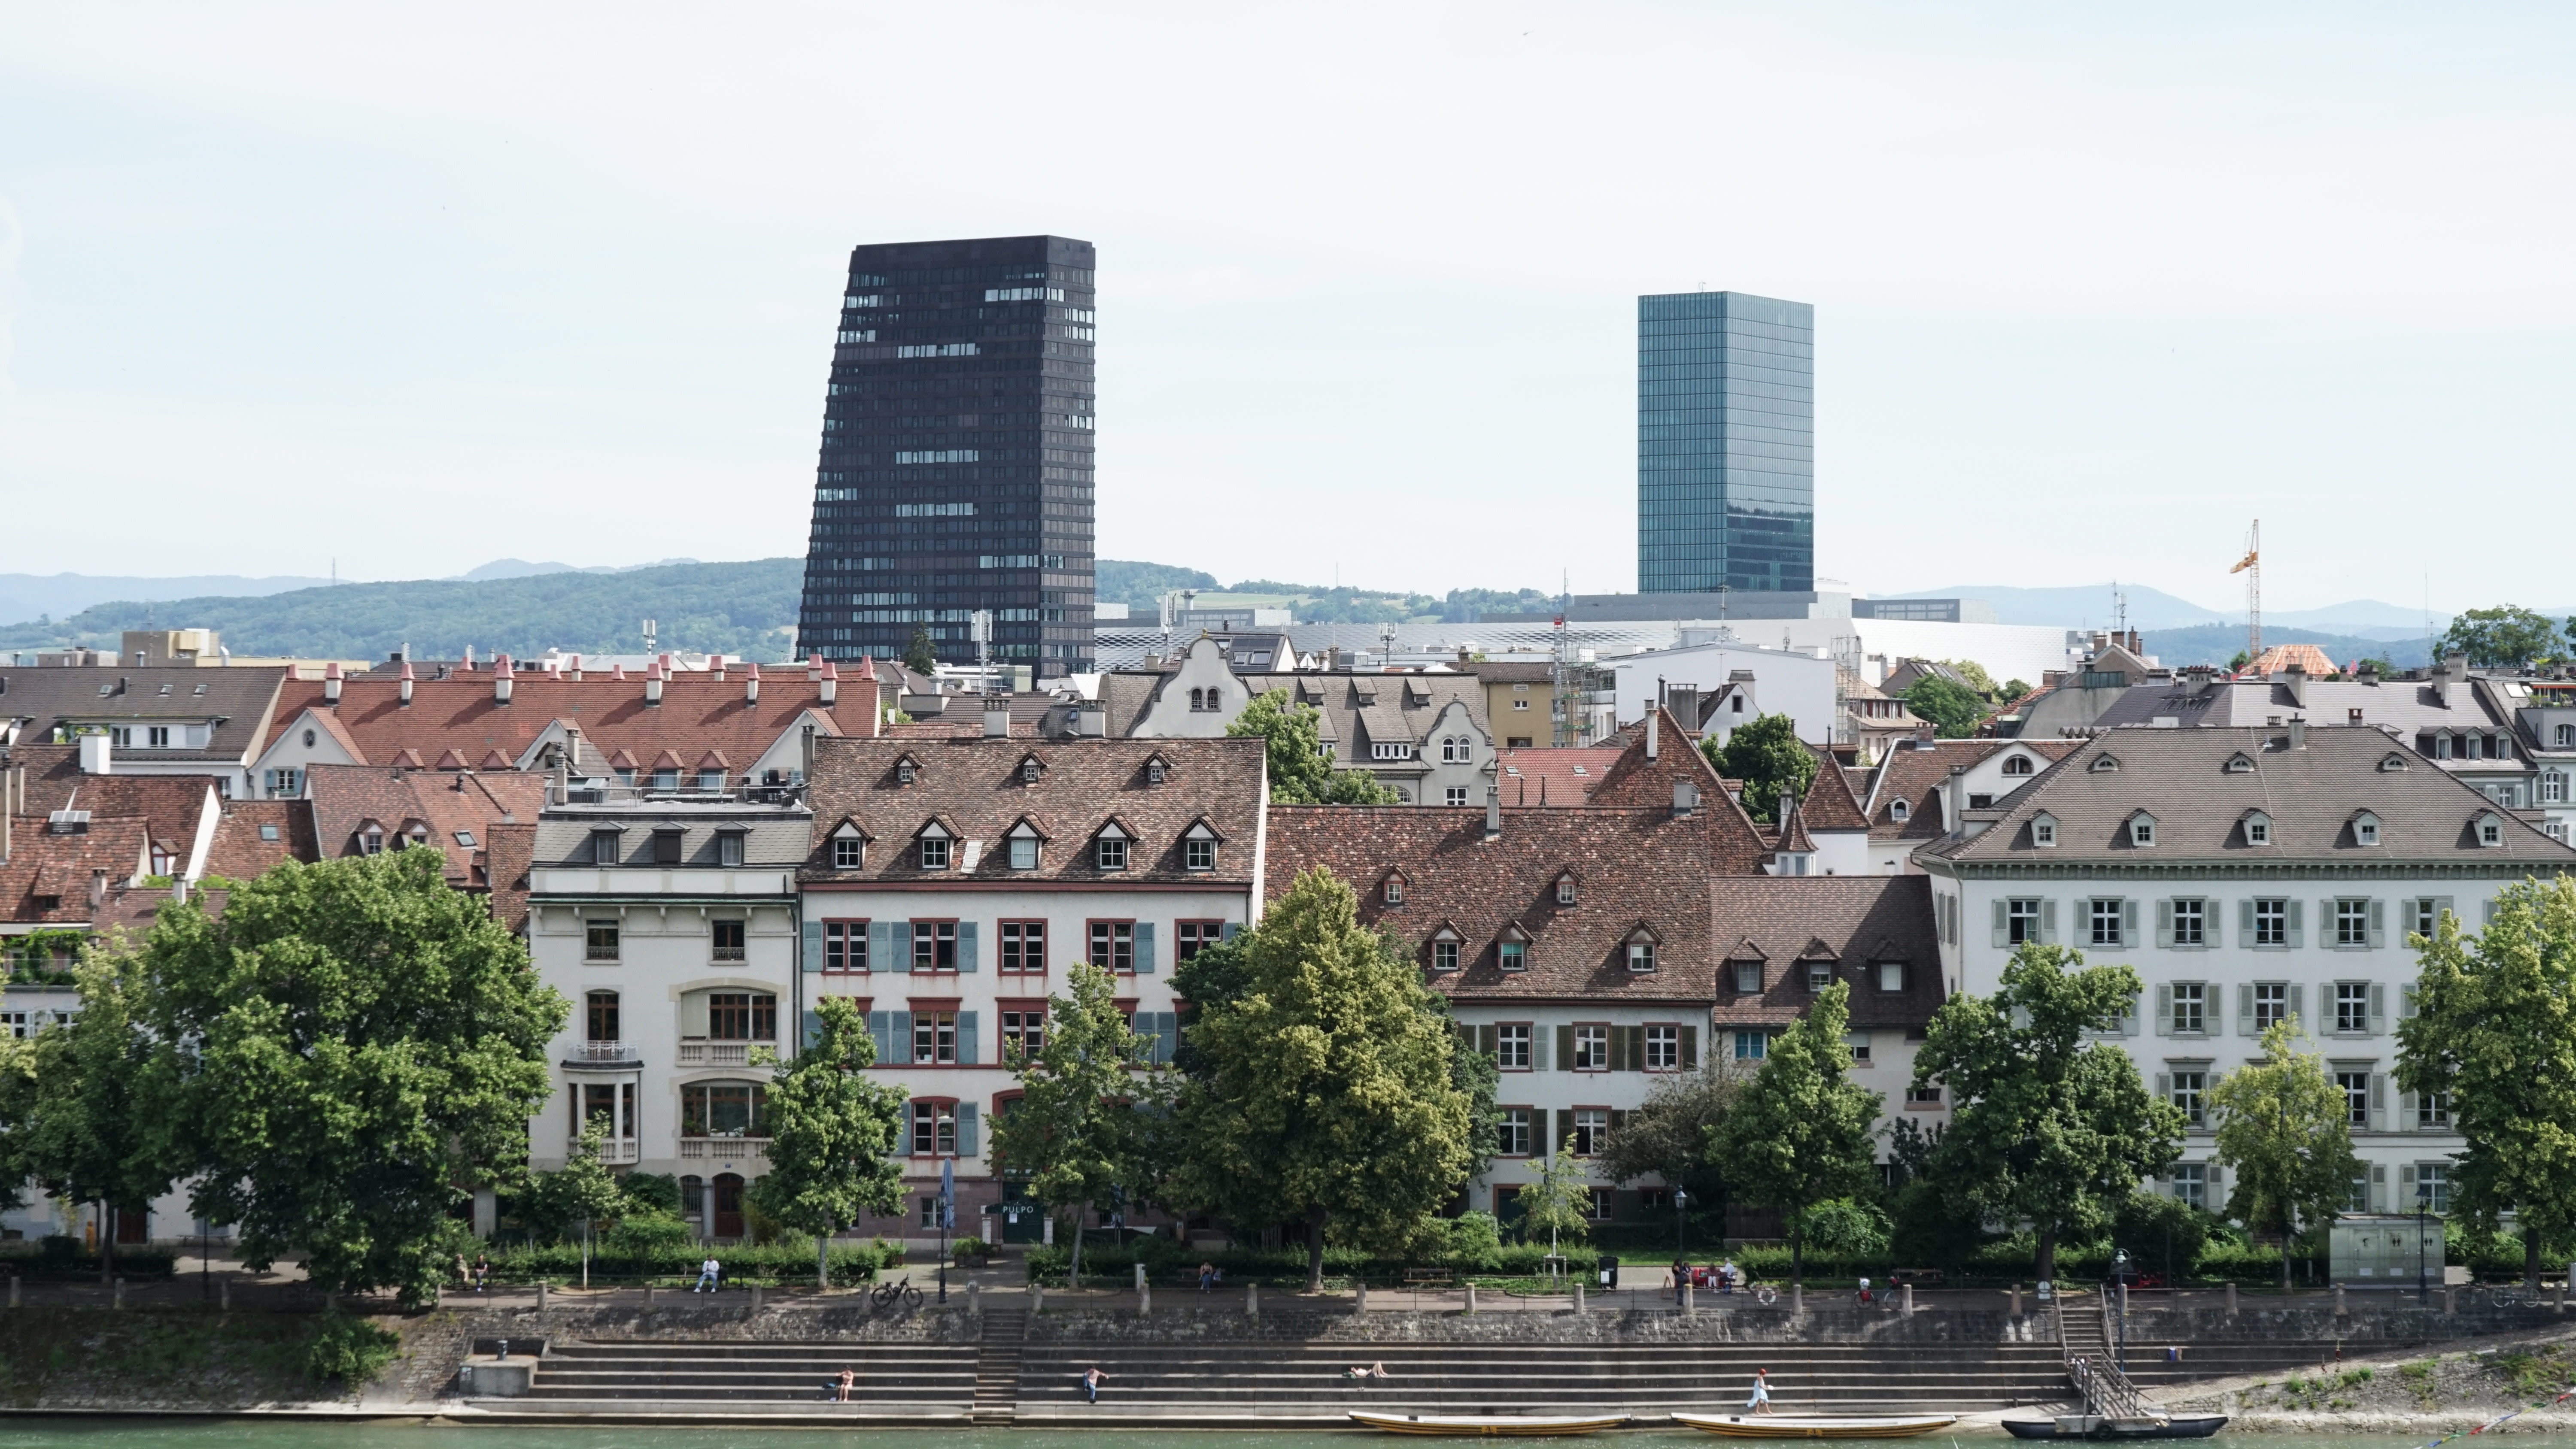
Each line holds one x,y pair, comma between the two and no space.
788,1262
61,1255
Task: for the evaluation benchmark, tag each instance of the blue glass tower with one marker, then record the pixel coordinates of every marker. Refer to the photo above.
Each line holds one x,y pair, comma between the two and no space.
1726,444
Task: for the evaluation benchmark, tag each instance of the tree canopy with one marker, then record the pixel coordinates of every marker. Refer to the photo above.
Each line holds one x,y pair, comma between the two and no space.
2494,1033
74,1114
1765,754
1301,769
2284,1131
919,654
1669,1134
345,1056
1078,1129
2045,1126
2504,636
1801,1132
1954,709
1328,1100
832,1132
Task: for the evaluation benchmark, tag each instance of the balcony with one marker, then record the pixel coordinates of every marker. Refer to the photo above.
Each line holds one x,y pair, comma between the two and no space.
604,1056
719,1053
614,1151
730,1149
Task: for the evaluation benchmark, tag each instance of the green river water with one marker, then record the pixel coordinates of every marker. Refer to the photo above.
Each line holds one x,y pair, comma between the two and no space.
259,1434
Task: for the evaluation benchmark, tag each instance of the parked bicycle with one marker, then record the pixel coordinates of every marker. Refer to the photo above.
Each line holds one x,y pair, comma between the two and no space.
888,1295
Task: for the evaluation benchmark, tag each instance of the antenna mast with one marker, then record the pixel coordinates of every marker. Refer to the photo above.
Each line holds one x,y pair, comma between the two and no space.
2252,567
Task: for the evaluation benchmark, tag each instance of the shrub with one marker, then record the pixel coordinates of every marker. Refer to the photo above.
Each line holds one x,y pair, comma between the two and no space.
350,1350
1845,1229
2149,1224
647,1233
1475,1242
652,1191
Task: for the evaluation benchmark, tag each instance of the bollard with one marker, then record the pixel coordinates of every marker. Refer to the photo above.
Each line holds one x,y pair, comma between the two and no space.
2231,1298
2016,1300
1037,1298
648,1295
1907,1302
1690,1296
2449,1308
1144,1300
1359,1297
1471,1298
1140,1277
2338,1300
1252,1300
223,1295
975,1298
1578,1297
757,1294
1798,1298
543,1290
120,1290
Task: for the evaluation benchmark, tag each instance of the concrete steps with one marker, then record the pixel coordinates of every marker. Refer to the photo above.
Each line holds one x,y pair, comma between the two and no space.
997,1365
578,1377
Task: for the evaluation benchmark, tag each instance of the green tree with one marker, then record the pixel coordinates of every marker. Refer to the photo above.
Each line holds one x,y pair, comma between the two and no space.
1328,1100
2284,1132
345,1056
832,1132
2494,1031
2501,637
582,1192
2380,665
1301,769
1954,709
919,655
1559,1199
77,1121
2045,1126
1076,1130
1766,755
1802,1131
2013,689
1668,1135
1975,674
2236,664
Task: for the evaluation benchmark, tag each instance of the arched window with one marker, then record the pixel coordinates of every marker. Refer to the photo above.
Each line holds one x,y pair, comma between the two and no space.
1899,811
2017,765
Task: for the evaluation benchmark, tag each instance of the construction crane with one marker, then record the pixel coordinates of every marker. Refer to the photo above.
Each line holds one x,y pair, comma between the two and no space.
2251,566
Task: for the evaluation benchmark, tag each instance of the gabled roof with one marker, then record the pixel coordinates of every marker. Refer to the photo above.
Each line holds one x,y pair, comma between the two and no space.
344,797
1853,922
254,835
1912,773
241,702
1544,776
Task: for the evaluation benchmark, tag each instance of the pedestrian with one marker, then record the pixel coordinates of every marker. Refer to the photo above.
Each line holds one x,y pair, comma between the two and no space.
1760,1403
849,1380
482,1272
1091,1378
1726,1276
1865,1299
1207,1277
464,1274
710,1274
1681,1279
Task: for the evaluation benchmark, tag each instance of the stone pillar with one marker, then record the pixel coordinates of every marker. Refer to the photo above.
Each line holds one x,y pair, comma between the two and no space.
2016,1300
1471,1298
2449,1306
1359,1297
223,1294
1140,1277
757,1294
1252,1299
2338,1291
1797,1298
974,1298
1578,1296
2231,1298
1690,1296
1144,1299
1037,1298
120,1291
543,1288
1907,1302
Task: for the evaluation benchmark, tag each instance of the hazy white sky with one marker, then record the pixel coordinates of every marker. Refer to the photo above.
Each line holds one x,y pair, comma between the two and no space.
416,287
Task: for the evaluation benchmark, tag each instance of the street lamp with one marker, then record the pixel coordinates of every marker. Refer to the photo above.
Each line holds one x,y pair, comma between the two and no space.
1681,1220
2120,1275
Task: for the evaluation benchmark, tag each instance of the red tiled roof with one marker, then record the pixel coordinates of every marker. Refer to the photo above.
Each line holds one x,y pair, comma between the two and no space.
1855,922
1829,804
241,853
1735,847
1552,777
345,797
510,850
1911,774
171,804
46,865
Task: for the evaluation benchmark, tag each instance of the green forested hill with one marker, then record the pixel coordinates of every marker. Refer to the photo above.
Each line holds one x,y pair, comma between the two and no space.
745,609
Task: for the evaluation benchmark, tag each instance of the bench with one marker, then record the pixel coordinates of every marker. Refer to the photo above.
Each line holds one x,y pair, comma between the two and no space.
1919,1277
1427,1278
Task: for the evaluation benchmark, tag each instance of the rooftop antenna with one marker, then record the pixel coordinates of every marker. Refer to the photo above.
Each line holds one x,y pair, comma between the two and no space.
980,625
2252,567
650,630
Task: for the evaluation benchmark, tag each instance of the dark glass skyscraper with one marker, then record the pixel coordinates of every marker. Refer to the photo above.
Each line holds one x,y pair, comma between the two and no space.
1726,434
956,470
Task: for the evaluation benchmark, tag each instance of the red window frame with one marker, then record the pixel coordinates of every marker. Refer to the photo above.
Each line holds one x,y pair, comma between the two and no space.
1644,1049
841,934
1092,939
1007,1007
913,1126
1537,1116
933,923
1529,1054
1189,936
1011,941
930,1009
1594,1149
1574,1045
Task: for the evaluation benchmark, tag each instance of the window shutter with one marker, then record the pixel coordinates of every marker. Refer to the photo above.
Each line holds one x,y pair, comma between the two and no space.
902,953
2405,1001
2486,913
2379,1101
2048,922
2213,1017
966,1143
2299,1004
2002,931
2217,1180
1539,1038
2164,1086
1565,1048
2245,1009
901,1023
1167,1029
2298,921
1144,948
812,1023
813,946
1487,1039
2164,923
1227,931
2378,1008
1690,1048
1564,1129
2128,923
2378,1187
2164,1015
1618,1048
2244,924
2378,924
2406,1184
2405,1112
969,1052
881,1034
966,945
1636,1048
2129,1018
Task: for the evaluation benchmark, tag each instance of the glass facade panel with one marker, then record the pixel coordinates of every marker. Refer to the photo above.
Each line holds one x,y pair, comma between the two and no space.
1726,479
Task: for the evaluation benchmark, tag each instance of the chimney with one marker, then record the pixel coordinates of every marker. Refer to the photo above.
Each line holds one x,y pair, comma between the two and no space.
97,889
1091,719
503,679
331,682
2294,679
1683,701
751,685
1493,812
829,685
1652,739
97,755
1957,800
406,683
653,686
2298,733
616,670
576,667
179,890
715,662
997,717
561,793
807,773
1685,799
466,665
813,667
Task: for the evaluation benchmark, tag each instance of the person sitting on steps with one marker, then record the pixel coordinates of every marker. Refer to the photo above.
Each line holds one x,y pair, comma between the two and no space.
1091,1378
1373,1371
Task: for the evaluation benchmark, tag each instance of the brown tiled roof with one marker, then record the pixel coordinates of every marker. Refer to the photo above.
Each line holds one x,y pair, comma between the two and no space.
240,852
1540,776
698,713
238,700
509,851
346,796
173,804
1632,868
1511,672
1734,846
1829,804
1853,922
43,864
973,787
1911,774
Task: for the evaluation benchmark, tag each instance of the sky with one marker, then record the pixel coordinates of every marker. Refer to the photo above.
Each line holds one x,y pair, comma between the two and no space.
397,290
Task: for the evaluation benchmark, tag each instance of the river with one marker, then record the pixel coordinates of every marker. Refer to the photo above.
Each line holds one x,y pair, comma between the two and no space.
272,1434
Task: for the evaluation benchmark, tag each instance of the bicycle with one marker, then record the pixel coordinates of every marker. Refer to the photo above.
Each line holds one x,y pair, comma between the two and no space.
889,1294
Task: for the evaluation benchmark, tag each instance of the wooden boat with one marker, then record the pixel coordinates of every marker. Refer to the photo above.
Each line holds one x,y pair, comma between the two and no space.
1490,1426
1817,1426
2095,1426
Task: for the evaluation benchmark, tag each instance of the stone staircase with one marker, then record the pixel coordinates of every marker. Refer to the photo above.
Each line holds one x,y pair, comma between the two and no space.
914,1379
997,1365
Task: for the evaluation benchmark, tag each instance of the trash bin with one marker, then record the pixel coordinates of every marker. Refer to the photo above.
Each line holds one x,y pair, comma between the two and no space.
1608,1271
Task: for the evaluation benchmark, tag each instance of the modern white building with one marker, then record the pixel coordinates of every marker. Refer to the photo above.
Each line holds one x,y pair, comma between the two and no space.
2248,874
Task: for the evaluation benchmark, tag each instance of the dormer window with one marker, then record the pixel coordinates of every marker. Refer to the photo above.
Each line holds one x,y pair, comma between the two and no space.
2490,830
1565,890
1392,891
2043,830
2365,829
1109,851
2142,830
2392,761
729,847
1024,846
1198,848
2105,764
1030,770
906,770
849,848
2240,764
934,848
603,847
1444,949
2258,828
2017,765
1641,950
1157,769
1511,953
1899,811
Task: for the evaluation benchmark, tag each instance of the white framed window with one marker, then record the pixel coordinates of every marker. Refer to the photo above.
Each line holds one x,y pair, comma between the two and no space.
848,851
2258,829
1512,955
1898,810
1752,1046
2105,915
1891,976
2190,922
1024,852
2271,1004
1512,1046
2021,920
1110,852
2190,1008
2433,1109
2191,1183
1513,1138
2142,830
2352,1007
2188,1090
2352,922
2433,1185
1457,794
1748,977
2490,830
2355,1087
1592,1048
1663,1048
2043,831
934,852
1198,853
2566,737
1444,954
2271,921
1641,955
156,737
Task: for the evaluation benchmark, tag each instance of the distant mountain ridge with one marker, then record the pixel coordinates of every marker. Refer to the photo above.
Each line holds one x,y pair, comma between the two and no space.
2091,605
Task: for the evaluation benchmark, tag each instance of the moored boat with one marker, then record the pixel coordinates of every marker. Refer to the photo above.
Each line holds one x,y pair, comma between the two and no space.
1489,1426
2096,1426
1817,1426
